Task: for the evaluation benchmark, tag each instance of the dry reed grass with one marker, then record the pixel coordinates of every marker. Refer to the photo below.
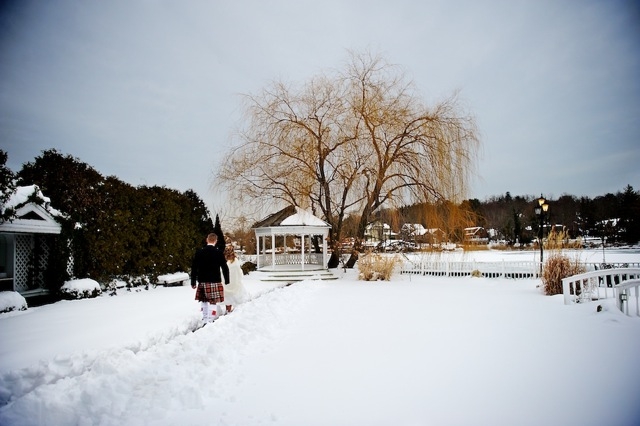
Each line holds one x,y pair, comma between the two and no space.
377,267
475,247
559,239
557,267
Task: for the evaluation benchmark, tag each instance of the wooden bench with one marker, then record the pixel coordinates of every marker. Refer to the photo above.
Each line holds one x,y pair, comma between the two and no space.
175,279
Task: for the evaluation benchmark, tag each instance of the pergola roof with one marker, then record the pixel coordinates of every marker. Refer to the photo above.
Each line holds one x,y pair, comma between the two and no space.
30,217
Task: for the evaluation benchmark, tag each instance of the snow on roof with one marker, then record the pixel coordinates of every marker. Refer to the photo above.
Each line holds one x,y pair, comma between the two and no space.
22,194
304,218
414,228
32,212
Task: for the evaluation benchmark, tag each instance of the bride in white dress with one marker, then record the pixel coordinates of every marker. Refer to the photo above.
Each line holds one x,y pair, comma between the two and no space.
234,292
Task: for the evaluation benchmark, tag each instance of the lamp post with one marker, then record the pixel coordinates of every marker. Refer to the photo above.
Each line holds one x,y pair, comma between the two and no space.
540,210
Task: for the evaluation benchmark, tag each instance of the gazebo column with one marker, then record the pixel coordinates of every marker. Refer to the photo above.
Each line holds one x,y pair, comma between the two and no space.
258,252
273,250
302,251
324,250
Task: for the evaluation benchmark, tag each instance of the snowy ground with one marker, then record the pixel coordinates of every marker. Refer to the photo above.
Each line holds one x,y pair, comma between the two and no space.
413,351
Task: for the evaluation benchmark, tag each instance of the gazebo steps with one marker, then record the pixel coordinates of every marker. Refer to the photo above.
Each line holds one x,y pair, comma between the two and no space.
295,276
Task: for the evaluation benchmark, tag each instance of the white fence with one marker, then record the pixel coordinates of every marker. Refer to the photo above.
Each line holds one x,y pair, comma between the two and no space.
603,284
426,266
592,266
506,269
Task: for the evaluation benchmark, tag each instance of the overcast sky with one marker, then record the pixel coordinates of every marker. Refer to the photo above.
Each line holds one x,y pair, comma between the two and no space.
149,91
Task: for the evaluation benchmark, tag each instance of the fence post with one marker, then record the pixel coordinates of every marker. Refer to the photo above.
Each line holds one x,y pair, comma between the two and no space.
565,291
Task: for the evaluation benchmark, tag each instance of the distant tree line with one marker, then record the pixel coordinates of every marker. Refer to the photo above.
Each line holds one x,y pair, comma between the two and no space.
113,229
612,218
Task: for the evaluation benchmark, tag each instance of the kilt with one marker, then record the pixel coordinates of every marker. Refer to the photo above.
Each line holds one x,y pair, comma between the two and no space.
210,292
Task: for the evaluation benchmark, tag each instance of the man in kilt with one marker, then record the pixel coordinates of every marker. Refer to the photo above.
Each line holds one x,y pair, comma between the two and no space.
205,269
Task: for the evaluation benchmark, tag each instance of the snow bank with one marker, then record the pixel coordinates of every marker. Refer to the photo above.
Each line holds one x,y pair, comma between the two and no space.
176,277
12,301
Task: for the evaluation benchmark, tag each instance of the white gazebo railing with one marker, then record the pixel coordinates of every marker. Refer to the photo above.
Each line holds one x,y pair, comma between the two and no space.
294,259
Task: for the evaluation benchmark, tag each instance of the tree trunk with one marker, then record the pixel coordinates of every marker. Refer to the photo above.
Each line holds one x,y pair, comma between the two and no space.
334,260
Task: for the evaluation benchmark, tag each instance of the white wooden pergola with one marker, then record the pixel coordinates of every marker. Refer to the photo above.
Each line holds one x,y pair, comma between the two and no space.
292,222
25,242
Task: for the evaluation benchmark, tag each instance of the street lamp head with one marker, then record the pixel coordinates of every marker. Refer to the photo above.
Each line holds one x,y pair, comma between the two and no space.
545,207
538,210
541,200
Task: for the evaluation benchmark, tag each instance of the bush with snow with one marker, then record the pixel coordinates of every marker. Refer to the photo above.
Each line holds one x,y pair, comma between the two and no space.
137,282
12,301
80,289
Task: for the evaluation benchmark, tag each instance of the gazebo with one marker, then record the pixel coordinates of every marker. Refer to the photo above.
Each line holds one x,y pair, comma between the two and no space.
291,224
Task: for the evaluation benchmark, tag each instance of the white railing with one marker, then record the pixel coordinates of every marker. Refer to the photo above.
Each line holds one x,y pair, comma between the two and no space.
593,266
623,292
506,269
291,259
594,285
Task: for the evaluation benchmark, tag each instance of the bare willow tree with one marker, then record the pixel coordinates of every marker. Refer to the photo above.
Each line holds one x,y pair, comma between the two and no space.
349,143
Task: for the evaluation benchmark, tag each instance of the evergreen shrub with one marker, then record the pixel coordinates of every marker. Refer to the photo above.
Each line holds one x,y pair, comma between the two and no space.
89,289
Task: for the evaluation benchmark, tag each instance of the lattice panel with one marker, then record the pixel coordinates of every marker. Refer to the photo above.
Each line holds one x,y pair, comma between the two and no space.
70,261
24,245
70,265
42,261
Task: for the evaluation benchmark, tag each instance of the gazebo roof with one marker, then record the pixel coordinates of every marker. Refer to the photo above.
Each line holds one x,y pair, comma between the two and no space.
291,216
275,219
291,221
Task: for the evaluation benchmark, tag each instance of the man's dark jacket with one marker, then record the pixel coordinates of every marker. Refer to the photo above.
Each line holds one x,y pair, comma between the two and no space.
207,264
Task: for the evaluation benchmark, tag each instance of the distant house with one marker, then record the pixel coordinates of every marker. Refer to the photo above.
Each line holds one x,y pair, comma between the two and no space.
26,240
410,231
434,236
377,233
476,235
415,232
